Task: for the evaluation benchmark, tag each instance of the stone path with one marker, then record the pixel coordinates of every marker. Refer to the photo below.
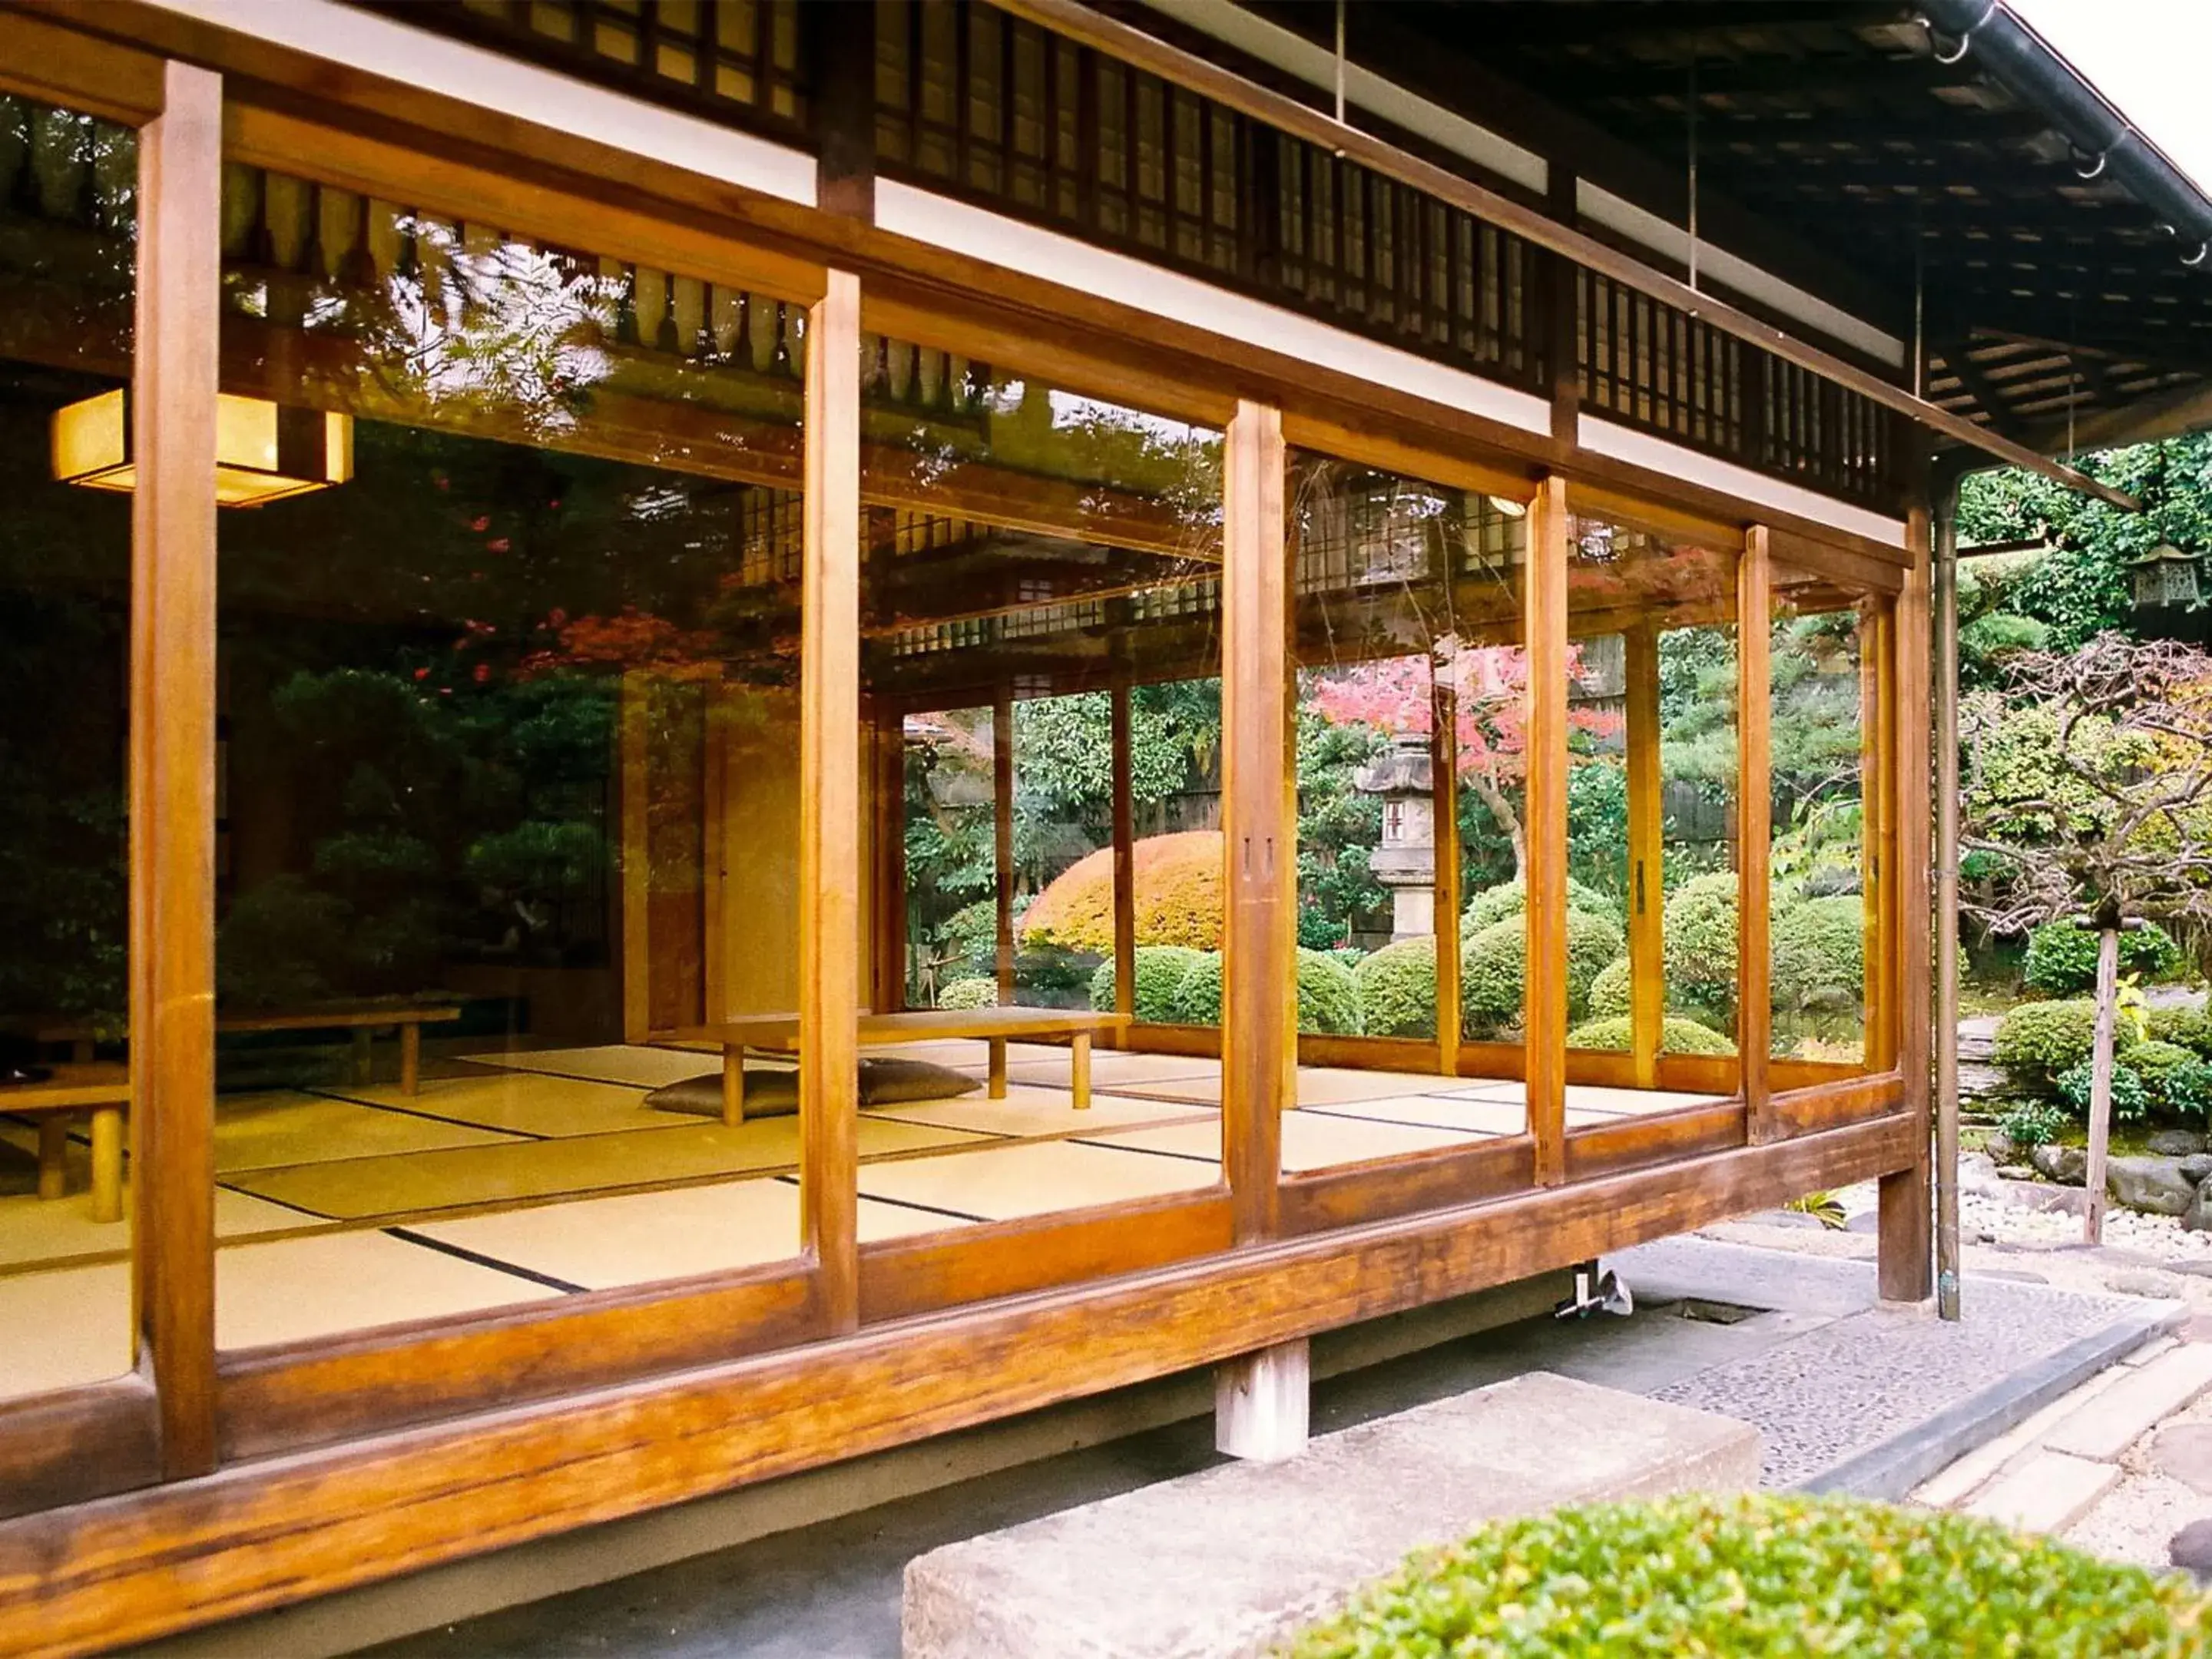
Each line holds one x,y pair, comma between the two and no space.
2119,1466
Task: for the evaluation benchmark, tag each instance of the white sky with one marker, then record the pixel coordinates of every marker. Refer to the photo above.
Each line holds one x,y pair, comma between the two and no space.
2149,56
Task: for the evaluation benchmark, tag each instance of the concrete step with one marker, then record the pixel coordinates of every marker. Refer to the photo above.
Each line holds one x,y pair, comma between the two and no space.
1232,1560
2136,1404
2045,1492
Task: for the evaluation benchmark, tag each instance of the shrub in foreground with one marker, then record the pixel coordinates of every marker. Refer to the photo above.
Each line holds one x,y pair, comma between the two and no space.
1328,999
1763,1576
1677,1035
1398,989
1494,962
2042,1039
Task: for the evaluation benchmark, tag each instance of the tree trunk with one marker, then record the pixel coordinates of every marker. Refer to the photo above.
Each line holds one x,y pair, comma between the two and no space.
1501,811
2100,1090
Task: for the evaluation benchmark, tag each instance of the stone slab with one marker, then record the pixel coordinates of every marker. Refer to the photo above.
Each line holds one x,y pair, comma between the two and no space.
1980,1466
2046,1492
1230,1560
2183,1452
2136,1404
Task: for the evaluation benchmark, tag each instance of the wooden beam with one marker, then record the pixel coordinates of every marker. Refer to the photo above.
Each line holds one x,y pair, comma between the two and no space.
56,64
829,809
1002,832
1259,819
172,759
1125,847
1647,963
1444,807
1544,633
1134,45
1755,811
1906,1242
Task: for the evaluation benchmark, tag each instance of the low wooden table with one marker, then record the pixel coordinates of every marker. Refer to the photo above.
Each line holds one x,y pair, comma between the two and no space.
779,1033
363,1019
104,1091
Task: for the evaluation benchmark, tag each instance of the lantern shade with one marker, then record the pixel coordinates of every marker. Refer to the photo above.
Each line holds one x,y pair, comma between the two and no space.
263,452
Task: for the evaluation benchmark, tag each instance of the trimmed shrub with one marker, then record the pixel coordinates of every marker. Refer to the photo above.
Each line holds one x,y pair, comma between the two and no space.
1594,942
1700,927
1160,969
1178,883
1198,993
2062,958
1511,898
1494,962
1329,996
972,931
2033,1122
1820,954
968,994
2130,1100
1677,1035
1609,991
2039,1040
2185,1027
1761,1576
2176,1080
1398,989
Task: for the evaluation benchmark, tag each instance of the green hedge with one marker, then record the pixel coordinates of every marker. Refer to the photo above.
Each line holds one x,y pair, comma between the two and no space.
1329,996
1768,1576
2039,1040
1494,962
1677,1035
1198,994
1609,991
1700,923
1160,969
2062,958
1511,898
968,994
1397,989
1818,951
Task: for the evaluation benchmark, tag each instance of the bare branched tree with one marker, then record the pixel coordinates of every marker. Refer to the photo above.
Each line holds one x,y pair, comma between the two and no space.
2088,792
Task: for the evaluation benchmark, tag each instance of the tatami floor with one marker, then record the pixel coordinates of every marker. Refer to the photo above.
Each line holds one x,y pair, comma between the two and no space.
519,1176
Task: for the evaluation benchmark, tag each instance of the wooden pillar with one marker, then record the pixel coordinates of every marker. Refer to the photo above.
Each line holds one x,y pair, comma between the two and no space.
636,717
1543,627
1259,1010
172,759
886,931
1907,1215
1943,1026
1125,849
1002,832
1647,959
829,813
1879,681
1755,811
1443,799
721,942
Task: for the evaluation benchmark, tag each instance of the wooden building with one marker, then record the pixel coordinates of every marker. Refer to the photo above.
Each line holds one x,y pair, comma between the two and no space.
605,535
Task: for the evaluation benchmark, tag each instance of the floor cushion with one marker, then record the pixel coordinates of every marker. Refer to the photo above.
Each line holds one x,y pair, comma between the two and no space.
775,1094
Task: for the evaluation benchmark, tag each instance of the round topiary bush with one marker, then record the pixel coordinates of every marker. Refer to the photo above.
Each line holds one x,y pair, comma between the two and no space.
1594,942
968,994
1178,891
2176,1080
1609,991
1511,898
1198,993
1677,1035
2062,958
2039,1040
1494,962
1398,989
1820,953
1766,1574
1701,928
1329,996
1160,969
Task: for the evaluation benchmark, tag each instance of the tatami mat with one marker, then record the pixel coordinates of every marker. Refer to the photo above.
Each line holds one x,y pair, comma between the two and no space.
281,1126
1311,1140
292,1288
1032,1179
1111,1069
550,1169
635,1064
1318,1085
1487,1117
1637,1103
1029,1111
34,1229
1490,1088
67,1327
528,1103
636,1238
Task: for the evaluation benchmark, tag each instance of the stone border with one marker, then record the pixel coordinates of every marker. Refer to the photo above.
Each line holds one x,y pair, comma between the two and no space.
1892,1469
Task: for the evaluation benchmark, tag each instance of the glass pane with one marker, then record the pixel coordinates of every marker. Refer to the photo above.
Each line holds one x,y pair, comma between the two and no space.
1035,554
509,625
68,226
1407,614
1825,910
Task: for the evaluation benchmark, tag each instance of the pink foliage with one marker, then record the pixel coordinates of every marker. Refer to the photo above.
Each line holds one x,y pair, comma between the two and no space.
1392,696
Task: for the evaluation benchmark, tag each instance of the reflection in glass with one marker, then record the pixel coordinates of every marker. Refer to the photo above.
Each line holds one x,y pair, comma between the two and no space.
68,230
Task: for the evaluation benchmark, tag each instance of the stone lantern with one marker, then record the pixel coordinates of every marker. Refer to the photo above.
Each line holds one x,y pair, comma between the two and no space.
2165,577
1406,863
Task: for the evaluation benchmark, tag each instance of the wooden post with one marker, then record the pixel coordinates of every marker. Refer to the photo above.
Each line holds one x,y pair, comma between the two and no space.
1544,624
1443,798
172,758
1259,1010
1907,1216
636,716
1883,678
1944,1026
1002,837
2100,1083
886,932
1647,960
829,820
1125,851
1755,811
